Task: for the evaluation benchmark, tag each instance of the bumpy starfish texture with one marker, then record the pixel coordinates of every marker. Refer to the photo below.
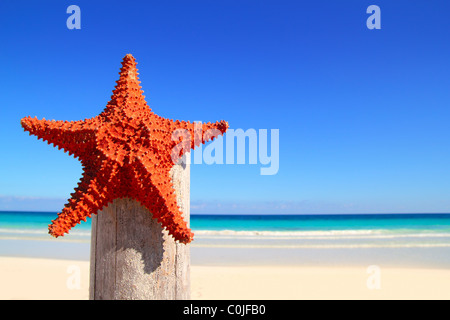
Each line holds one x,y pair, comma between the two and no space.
126,151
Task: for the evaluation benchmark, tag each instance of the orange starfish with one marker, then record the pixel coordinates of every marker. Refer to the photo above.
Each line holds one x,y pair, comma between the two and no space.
125,151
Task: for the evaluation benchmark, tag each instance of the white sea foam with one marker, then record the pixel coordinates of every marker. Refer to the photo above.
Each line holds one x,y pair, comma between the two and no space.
283,233
47,238
80,233
364,234
330,234
325,246
22,231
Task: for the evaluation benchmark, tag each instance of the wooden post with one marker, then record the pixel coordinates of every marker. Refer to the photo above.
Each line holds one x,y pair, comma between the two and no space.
132,257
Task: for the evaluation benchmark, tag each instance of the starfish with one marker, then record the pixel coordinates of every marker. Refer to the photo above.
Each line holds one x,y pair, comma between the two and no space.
125,151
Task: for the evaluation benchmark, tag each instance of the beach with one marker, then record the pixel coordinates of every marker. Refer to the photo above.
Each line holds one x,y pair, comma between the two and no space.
37,278
229,150
369,257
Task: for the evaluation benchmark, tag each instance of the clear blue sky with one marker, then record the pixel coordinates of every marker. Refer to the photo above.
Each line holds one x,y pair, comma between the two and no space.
363,115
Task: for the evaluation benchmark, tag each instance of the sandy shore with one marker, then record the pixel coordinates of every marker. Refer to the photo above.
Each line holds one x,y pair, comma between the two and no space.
33,278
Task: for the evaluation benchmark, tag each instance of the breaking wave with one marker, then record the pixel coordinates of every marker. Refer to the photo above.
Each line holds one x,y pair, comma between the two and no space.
329,234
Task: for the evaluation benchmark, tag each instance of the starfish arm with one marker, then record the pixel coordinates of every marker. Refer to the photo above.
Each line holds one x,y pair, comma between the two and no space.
213,130
72,136
197,133
205,132
91,195
160,199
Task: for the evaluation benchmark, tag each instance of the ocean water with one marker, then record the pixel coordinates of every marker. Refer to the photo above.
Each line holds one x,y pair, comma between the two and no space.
418,237
390,229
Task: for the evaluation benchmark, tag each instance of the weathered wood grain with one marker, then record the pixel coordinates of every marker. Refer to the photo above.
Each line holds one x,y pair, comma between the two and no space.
132,257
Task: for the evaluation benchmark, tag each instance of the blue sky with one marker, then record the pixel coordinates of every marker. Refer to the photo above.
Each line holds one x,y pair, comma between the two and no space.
362,114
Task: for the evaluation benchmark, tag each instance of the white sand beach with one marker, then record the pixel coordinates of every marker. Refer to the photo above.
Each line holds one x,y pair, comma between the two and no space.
37,278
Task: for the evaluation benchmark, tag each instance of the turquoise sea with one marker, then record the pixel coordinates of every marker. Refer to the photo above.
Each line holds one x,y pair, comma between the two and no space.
18,224
417,238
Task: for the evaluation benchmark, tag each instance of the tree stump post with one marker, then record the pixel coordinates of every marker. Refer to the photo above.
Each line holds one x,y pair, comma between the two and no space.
133,257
